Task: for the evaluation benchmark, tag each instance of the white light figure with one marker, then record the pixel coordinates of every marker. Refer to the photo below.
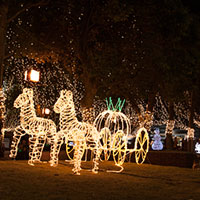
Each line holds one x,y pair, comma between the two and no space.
38,128
197,148
157,144
114,128
80,133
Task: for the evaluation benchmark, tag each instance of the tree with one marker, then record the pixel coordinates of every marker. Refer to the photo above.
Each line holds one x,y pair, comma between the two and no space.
8,13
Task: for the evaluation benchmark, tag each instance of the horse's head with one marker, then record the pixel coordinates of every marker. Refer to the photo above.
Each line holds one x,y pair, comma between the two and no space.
24,98
66,97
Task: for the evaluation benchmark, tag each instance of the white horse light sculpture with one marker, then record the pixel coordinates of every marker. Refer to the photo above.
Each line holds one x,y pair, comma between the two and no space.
80,133
38,128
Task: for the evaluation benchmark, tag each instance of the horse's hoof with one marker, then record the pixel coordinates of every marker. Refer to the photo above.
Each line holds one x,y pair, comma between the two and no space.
77,173
53,164
95,171
11,156
30,163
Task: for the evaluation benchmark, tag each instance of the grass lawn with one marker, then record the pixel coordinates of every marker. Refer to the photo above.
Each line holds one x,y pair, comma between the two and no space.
19,181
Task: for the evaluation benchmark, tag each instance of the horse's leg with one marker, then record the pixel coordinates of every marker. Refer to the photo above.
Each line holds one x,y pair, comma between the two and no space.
40,147
78,154
97,153
33,142
18,133
56,143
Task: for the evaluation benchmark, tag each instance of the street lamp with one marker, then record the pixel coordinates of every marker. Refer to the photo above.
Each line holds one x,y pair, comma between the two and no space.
45,111
32,75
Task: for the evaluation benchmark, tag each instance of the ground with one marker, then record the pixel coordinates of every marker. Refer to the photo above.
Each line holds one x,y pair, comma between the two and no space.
20,181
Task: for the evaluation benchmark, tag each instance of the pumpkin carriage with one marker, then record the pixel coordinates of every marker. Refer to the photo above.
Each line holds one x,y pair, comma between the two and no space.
114,130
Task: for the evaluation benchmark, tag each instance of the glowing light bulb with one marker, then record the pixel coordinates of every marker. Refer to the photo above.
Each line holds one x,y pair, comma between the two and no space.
46,111
34,75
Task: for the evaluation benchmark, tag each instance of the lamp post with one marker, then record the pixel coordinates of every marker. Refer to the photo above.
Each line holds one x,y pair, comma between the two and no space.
45,112
32,75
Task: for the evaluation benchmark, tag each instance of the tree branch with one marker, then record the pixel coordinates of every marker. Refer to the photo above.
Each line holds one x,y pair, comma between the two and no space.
28,6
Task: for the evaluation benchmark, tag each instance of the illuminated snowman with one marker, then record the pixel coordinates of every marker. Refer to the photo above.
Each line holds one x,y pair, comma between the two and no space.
157,144
197,148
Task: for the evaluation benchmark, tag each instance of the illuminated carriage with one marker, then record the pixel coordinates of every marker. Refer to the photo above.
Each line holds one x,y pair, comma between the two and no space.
114,129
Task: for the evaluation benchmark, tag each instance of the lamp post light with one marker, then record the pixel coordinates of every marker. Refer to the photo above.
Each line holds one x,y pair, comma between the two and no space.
45,111
32,75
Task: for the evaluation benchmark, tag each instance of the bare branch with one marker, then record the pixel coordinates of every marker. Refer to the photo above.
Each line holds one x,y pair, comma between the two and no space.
28,6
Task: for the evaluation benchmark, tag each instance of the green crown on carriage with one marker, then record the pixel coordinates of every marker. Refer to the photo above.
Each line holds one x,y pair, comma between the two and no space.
118,106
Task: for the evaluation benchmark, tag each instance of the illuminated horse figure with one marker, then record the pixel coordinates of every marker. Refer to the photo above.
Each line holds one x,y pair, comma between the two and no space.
38,128
80,133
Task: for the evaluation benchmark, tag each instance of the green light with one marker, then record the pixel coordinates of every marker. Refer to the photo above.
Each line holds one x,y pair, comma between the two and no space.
119,105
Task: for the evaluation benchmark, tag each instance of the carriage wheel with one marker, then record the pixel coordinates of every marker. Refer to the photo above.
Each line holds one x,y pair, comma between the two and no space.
105,144
141,145
119,148
70,147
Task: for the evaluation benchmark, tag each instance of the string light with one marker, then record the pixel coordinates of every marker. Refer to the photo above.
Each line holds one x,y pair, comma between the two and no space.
79,132
190,133
145,117
2,112
169,127
160,112
38,128
88,115
131,114
114,128
197,122
78,137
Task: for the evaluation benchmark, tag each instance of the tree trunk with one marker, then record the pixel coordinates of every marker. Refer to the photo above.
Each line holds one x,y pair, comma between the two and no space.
190,133
151,101
148,118
87,101
90,92
3,27
170,127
